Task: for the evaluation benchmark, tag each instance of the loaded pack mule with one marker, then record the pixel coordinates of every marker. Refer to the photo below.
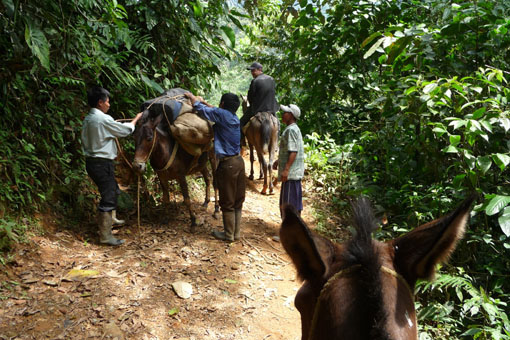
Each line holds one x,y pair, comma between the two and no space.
154,143
262,135
364,289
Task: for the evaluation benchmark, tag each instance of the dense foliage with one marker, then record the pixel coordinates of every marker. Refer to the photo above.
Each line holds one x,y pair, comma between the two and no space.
414,96
405,101
52,51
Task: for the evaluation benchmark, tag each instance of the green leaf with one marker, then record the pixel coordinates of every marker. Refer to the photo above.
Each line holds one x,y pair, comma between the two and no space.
38,44
197,8
504,221
370,39
484,163
374,48
505,123
397,48
151,83
501,160
470,159
458,123
439,131
455,140
173,311
479,113
229,32
496,204
230,281
429,88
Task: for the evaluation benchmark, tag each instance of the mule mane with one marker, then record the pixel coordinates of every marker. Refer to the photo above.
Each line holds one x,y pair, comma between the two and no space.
361,251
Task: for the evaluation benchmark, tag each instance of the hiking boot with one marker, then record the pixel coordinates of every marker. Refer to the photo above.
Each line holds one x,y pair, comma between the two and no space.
105,229
237,229
228,226
116,221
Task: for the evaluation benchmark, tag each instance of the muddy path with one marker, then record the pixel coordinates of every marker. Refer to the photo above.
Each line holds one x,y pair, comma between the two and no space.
243,290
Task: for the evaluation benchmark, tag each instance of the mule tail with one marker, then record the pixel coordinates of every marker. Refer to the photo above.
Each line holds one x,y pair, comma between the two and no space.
266,134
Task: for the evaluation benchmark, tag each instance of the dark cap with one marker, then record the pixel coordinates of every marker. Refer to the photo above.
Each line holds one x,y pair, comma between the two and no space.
254,66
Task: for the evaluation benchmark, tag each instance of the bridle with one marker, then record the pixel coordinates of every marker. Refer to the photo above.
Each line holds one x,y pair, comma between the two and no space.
172,155
347,271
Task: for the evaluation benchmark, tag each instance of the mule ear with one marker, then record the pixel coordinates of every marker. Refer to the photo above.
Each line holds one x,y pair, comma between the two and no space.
298,241
418,252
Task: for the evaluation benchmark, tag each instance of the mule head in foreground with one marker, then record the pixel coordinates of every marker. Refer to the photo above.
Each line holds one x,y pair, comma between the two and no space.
364,289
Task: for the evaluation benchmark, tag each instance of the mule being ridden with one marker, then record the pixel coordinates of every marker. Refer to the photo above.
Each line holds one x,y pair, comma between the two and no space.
365,289
262,134
154,143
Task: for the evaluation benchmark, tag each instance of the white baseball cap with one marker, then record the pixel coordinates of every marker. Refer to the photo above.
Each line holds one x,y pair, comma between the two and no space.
294,109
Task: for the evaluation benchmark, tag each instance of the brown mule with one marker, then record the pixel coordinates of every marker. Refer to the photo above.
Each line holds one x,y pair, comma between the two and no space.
262,135
154,143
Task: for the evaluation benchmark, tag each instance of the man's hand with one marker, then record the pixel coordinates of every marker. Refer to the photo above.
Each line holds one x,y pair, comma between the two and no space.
137,117
285,175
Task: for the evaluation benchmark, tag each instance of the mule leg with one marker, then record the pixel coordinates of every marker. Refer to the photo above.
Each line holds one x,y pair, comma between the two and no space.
272,154
263,165
252,159
214,165
207,179
187,201
163,180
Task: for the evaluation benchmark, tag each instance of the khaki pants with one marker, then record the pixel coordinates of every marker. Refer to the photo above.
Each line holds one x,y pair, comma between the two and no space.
231,183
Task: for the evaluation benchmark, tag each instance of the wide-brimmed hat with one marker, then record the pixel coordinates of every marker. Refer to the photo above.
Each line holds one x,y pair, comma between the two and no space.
254,66
294,109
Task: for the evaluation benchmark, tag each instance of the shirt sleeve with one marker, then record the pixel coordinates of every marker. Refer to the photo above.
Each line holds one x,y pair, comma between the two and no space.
210,113
293,141
118,129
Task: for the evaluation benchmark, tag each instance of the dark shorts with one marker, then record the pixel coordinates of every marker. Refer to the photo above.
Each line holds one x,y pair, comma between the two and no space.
102,172
292,194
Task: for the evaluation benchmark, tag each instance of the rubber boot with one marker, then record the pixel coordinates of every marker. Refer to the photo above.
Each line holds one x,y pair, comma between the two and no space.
105,229
237,229
116,221
229,222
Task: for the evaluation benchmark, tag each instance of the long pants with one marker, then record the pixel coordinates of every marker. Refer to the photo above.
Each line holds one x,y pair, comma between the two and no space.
231,183
292,193
102,172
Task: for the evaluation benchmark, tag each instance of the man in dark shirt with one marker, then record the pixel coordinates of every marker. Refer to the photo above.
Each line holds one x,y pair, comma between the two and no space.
230,172
261,95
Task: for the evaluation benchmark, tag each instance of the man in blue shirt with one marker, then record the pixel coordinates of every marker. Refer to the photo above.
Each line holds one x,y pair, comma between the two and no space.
230,172
98,135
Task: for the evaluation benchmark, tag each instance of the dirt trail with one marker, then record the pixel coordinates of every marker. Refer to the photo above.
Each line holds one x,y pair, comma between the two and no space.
240,291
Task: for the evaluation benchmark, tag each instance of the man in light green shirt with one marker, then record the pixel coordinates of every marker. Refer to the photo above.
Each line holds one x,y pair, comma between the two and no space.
98,135
291,159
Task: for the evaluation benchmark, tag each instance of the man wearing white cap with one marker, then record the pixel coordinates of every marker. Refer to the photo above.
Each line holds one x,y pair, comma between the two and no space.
291,159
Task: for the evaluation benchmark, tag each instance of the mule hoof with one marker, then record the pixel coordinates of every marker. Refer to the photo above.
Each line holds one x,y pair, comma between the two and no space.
261,177
193,228
215,215
205,204
250,177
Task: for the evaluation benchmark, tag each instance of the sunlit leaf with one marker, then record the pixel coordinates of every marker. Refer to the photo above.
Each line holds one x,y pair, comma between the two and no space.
496,204
370,39
229,32
429,88
484,163
501,160
374,47
38,44
504,221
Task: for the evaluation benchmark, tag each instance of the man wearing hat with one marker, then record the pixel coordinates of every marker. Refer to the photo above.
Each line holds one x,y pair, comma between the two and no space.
261,95
291,159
